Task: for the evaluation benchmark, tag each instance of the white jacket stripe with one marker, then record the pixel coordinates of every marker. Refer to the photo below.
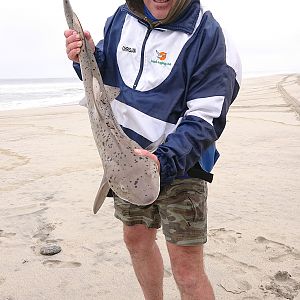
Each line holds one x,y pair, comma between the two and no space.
205,108
139,122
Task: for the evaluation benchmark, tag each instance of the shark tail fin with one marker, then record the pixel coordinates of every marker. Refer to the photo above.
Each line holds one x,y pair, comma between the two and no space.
153,146
101,195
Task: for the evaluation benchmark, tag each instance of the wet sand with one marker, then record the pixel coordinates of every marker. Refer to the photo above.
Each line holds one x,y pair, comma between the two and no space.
50,172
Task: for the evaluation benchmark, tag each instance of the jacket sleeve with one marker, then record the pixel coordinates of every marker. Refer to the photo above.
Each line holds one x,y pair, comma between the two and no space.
212,87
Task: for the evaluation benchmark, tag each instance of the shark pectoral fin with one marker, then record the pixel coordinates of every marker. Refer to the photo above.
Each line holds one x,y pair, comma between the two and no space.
101,195
83,102
153,146
112,92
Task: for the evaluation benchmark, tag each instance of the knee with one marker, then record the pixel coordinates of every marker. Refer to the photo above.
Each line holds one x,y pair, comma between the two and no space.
185,278
193,284
188,269
139,238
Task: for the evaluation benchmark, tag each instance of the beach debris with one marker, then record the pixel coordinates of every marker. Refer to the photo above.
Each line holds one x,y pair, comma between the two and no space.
132,177
50,249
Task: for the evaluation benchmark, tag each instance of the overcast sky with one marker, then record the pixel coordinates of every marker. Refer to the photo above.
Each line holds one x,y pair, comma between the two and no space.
266,33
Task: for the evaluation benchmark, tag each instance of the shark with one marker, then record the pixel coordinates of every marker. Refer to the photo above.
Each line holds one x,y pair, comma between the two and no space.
131,177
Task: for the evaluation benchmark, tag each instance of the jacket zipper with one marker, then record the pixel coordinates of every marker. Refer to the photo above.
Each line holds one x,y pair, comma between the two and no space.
142,59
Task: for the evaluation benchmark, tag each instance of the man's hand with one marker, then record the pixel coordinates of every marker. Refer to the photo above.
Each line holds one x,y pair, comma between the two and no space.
74,43
143,152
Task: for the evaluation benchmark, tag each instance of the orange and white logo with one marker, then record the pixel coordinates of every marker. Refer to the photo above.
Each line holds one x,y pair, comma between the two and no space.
161,59
161,55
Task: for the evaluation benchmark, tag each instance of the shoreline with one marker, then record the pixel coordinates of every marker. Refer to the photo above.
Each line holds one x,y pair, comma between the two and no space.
246,78
50,173
245,75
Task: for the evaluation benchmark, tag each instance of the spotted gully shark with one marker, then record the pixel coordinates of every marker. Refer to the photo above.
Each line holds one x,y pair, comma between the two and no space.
132,177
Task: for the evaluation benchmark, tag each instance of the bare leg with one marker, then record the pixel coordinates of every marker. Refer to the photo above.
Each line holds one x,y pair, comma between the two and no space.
146,259
188,270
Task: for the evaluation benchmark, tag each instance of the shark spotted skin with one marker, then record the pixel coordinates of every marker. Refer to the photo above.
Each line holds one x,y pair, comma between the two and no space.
132,177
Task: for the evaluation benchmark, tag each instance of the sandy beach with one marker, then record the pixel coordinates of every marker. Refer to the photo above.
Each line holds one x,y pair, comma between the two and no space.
50,172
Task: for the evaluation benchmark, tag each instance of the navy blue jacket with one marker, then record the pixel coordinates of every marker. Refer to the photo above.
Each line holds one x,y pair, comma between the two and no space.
176,80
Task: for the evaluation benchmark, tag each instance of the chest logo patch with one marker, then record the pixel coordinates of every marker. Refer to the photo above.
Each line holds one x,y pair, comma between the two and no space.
161,59
128,49
161,55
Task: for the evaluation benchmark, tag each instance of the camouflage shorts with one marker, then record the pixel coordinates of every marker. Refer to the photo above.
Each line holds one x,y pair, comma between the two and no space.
181,209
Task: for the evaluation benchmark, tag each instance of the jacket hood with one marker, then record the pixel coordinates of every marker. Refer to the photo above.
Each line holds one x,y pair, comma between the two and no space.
137,8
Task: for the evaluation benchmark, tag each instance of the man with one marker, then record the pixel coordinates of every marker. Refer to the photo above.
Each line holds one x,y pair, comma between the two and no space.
178,75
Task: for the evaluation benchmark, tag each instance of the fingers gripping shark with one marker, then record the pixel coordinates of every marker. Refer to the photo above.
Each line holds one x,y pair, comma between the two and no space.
131,177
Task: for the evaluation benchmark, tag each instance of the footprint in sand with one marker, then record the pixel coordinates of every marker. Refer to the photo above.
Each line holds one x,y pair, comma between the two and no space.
61,264
2,280
237,266
277,252
11,160
49,197
24,211
44,231
282,285
6,234
223,235
235,286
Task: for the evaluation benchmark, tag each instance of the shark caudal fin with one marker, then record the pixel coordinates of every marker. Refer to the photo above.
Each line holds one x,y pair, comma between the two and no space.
101,195
153,146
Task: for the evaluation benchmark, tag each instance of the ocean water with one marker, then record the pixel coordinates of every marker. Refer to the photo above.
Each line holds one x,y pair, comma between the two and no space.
30,93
